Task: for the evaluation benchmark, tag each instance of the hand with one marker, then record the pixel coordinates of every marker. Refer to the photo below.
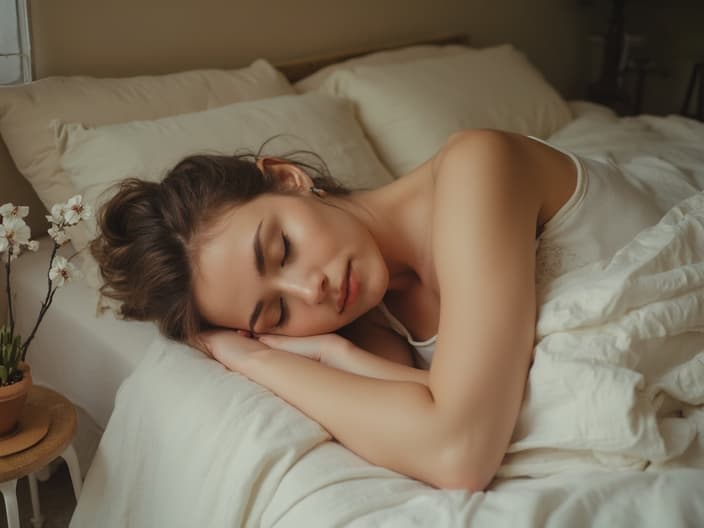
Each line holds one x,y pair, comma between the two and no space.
325,348
229,347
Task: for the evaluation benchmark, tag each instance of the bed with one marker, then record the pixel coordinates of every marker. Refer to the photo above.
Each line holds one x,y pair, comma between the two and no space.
183,442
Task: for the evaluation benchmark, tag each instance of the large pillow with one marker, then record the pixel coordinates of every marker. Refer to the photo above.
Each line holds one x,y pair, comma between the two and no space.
409,109
96,158
27,110
394,56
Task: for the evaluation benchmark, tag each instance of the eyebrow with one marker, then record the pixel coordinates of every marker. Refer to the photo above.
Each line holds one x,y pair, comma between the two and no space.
259,263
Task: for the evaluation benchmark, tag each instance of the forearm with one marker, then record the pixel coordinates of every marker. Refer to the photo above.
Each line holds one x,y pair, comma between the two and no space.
394,424
359,361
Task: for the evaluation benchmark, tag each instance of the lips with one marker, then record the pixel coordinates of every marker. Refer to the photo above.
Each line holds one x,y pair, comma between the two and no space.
344,290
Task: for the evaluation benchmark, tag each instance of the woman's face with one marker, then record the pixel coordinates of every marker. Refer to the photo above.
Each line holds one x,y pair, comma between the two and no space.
288,264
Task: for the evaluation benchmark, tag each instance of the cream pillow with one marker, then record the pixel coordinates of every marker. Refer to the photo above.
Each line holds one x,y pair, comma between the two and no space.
401,55
27,110
408,110
96,158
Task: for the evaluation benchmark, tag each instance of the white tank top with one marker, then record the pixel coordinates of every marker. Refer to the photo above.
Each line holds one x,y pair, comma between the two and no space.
604,213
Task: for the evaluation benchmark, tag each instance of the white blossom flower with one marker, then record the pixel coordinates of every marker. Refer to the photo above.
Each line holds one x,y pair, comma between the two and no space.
9,210
14,231
59,235
75,211
57,214
62,271
33,245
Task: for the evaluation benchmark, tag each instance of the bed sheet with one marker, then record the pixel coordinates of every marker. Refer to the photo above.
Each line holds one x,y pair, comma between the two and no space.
82,355
205,444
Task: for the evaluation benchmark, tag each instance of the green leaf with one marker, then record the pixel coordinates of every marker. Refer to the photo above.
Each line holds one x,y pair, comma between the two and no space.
3,375
10,355
4,334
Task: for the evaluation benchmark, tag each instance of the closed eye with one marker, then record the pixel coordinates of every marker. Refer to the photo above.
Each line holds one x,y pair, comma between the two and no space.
287,245
284,312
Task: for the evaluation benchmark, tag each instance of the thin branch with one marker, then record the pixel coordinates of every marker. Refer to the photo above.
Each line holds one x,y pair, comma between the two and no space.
42,313
45,304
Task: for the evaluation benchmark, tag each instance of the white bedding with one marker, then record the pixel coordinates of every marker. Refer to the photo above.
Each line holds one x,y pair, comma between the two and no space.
617,384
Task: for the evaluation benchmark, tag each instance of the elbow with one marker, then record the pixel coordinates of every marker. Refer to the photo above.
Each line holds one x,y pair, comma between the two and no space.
462,471
463,479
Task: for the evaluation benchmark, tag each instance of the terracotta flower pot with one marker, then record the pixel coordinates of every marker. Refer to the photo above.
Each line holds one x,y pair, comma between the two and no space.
12,398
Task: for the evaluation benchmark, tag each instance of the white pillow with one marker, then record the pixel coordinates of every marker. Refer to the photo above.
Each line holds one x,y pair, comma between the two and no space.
408,110
27,110
96,158
395,56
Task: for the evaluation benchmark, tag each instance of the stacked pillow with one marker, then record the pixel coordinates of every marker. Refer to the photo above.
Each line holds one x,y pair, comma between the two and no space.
409,109
26,113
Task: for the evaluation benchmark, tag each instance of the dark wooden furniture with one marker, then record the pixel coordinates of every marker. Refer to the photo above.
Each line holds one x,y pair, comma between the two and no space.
695,94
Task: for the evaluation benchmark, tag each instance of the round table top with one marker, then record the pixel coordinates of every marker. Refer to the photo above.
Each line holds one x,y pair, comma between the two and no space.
62,426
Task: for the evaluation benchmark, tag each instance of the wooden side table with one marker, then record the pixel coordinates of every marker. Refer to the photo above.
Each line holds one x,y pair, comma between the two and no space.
56,443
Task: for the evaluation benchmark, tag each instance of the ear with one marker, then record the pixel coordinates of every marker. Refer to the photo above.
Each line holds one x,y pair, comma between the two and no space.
289,176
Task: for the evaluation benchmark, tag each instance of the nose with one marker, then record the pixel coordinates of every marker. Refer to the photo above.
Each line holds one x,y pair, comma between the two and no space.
311,287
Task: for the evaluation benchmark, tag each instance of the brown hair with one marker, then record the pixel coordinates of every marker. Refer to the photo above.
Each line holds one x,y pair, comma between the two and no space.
149,233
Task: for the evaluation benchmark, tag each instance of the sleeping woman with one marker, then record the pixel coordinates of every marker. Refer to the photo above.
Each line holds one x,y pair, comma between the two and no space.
402,319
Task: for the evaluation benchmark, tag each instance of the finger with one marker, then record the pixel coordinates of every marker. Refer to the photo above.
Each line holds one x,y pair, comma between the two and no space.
266,339
280,340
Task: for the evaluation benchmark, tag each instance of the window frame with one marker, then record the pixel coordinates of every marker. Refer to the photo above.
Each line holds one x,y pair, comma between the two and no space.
25,48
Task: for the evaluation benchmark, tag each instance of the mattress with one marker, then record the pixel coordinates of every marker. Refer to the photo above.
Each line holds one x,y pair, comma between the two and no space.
83,356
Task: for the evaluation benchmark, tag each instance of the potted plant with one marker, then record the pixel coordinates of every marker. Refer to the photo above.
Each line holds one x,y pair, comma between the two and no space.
15,374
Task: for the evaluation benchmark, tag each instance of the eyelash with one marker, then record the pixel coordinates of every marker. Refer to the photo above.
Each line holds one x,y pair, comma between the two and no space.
287,245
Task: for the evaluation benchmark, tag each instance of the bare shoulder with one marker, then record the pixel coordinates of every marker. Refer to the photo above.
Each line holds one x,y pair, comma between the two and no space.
526,165
372,333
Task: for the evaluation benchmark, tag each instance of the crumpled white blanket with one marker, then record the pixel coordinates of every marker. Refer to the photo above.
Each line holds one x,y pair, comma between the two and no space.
618,376
617,383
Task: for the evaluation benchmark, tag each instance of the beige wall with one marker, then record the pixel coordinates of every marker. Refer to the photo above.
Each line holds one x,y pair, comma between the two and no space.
84,36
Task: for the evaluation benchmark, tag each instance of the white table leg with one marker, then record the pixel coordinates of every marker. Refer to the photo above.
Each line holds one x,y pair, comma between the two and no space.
9,492
37,519
74,469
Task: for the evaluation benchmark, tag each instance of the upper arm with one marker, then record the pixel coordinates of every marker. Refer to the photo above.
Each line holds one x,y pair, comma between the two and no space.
486,207
370,335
